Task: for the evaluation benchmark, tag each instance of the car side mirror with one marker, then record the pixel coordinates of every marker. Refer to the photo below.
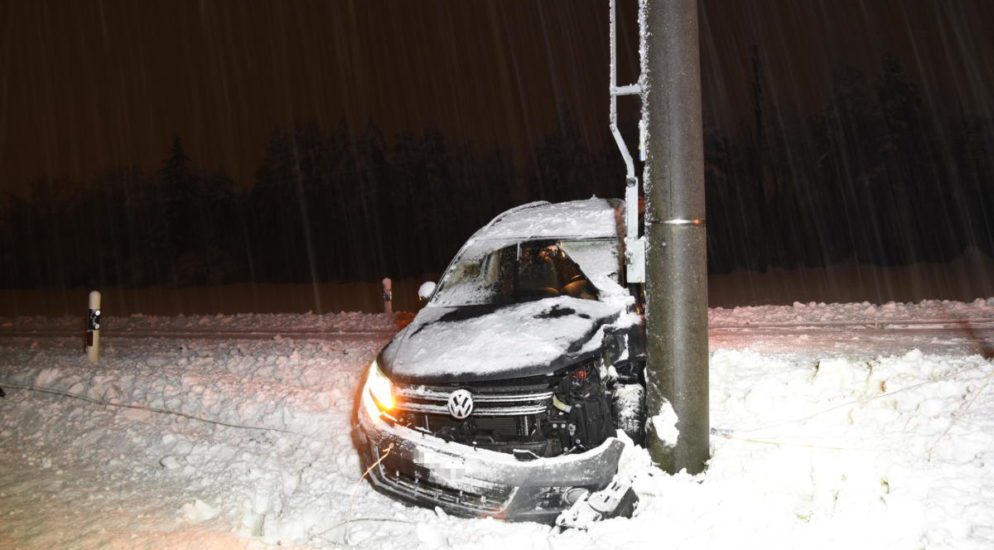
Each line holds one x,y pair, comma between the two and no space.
425,291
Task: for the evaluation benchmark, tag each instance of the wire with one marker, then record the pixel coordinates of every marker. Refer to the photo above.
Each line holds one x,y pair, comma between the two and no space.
860,401
357,520
348,514
347,522
785,442
959,413
141,408
733,434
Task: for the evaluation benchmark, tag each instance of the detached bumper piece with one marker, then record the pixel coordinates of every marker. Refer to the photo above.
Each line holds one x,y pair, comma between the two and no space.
616,500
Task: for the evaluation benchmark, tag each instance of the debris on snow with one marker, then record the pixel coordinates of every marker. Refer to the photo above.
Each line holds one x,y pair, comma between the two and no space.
618,499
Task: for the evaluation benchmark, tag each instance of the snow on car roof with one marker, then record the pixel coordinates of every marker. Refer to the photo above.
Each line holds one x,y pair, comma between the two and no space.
592,218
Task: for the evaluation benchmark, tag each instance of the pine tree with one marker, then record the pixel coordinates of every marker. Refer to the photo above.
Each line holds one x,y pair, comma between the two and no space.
176,195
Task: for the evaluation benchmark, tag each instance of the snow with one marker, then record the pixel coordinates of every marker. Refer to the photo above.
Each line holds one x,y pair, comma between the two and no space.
245,322
664,424
540,331
890,313
583,219
600,263
841,425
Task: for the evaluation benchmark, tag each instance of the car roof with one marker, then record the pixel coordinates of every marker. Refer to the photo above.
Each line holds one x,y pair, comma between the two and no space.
592,218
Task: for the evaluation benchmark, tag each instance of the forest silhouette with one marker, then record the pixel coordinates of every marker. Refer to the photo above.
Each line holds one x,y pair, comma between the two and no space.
871,178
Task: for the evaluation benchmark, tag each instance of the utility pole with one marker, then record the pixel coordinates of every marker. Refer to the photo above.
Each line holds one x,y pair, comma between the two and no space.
676,260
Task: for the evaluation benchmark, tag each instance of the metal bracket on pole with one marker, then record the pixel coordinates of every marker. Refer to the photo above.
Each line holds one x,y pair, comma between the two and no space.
634,244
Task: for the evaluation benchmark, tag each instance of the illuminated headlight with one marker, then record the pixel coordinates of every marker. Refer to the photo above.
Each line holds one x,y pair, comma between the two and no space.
380,388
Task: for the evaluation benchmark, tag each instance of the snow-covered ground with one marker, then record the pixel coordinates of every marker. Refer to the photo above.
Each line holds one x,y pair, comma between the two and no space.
834,426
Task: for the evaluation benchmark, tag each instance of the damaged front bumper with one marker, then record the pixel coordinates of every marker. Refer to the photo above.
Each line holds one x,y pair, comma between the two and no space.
422,469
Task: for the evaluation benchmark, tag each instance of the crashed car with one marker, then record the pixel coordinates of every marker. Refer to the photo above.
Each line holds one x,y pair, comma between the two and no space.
504,396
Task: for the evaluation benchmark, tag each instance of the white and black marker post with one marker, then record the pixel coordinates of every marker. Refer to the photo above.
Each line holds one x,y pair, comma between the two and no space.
92,343
387,296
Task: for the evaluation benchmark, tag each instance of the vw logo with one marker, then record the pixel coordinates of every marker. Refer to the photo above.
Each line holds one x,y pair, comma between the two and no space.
460,404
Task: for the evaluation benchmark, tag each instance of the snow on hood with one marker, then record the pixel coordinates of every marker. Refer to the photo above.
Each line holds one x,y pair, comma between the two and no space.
484,343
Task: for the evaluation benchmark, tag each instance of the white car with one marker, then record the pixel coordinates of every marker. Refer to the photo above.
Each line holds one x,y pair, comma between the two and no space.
504,395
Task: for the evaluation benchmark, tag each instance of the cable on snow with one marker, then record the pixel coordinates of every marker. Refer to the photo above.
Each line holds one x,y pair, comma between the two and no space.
734,434
959,413
348,515
141,408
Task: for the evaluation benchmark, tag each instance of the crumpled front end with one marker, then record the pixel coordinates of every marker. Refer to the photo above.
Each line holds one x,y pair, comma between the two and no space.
464,480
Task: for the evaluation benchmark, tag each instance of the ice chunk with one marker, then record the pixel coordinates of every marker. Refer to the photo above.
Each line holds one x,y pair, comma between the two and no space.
198,511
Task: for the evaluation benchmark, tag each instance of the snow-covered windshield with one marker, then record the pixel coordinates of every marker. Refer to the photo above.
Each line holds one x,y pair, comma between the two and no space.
532,270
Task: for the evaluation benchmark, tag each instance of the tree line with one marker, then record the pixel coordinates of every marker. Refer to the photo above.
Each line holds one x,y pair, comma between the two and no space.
325,205
875,177
872,177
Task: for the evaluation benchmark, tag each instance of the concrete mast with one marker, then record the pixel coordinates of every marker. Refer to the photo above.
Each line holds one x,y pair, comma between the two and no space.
676,252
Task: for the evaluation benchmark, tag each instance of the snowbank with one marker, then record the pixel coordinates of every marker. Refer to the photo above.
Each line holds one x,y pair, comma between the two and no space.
870,433
245,322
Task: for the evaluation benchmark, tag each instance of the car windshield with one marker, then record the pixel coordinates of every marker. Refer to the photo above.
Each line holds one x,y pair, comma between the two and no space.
526,271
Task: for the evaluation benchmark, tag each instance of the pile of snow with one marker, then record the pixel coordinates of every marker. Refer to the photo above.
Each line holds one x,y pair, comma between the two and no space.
848,441
244,322
934,311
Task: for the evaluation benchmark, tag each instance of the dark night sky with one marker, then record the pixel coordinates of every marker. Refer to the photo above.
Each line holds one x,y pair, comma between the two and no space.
90,84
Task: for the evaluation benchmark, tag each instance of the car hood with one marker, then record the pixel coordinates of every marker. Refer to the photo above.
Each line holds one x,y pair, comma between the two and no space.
476,343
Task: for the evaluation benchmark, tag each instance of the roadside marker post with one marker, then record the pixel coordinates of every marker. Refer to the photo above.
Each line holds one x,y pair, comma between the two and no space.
92,342
387,296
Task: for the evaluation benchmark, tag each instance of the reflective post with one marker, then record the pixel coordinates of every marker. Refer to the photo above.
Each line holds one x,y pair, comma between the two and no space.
92,343
387,296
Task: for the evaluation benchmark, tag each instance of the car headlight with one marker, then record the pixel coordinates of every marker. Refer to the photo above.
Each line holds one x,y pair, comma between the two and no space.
380,388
